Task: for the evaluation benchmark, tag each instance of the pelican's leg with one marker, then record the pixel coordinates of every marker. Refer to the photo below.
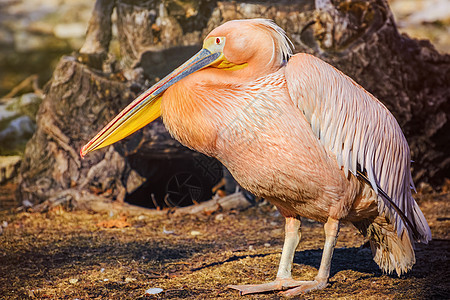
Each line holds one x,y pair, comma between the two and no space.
331,233
292,235
284,279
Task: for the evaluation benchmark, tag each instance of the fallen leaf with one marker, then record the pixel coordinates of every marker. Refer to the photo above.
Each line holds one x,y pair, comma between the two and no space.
155,27
114,223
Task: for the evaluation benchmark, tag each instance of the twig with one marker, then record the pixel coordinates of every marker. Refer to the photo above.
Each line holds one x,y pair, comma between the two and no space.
31,81
155,203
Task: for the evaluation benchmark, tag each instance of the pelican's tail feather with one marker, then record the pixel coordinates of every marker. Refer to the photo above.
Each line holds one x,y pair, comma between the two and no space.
391,251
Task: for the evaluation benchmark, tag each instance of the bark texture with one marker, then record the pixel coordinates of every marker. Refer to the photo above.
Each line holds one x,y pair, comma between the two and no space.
75,99
358,37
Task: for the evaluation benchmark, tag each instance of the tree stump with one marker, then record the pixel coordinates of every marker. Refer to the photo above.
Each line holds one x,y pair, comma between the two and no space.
76,98
359,37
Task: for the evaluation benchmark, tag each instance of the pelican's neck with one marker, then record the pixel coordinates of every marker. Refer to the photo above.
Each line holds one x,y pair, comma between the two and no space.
257,67
195,108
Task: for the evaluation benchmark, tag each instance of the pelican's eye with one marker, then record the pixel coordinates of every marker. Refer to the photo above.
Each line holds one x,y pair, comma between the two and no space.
219,41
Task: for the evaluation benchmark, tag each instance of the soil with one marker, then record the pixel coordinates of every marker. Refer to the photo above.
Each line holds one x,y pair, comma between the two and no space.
63,254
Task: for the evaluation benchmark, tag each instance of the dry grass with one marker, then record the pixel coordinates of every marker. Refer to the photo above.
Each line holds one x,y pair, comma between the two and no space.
68,255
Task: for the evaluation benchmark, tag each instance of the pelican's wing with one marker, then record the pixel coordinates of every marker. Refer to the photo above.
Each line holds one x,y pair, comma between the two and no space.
359,130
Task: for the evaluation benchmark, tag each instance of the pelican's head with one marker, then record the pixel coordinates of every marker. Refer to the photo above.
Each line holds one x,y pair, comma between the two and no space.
258,43
245,46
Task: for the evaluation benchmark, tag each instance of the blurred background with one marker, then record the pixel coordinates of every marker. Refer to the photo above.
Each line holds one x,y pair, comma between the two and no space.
35,34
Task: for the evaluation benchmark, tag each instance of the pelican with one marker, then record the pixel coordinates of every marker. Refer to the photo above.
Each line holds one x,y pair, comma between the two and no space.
293,130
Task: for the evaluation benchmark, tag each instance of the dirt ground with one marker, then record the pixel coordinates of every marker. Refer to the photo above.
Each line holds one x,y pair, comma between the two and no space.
63,254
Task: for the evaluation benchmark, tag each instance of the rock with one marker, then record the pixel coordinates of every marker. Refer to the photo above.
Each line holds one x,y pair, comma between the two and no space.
70,31
19,128
17,123
153,291
27,104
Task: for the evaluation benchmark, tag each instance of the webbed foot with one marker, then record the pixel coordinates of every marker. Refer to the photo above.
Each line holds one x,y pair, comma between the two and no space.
290,287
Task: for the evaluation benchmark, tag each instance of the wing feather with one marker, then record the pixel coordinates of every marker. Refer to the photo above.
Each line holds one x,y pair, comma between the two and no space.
360,131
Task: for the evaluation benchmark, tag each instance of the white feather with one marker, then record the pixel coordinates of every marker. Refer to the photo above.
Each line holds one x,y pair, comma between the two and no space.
353,125
358,130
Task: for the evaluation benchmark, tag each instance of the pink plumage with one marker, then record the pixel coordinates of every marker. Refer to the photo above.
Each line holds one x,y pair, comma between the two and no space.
296,131
291,132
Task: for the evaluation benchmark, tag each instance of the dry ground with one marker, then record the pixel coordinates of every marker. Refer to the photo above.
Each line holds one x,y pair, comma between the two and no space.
64,254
